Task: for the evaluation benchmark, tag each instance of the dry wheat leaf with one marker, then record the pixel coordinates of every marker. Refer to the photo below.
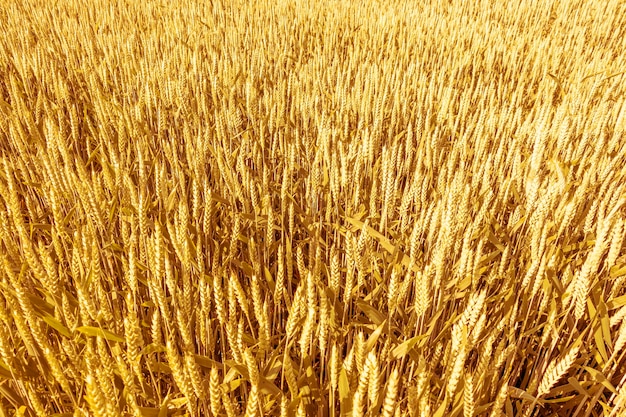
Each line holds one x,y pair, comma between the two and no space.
98,332
58,326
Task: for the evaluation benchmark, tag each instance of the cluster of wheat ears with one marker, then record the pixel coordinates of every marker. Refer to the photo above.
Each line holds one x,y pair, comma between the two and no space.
312,208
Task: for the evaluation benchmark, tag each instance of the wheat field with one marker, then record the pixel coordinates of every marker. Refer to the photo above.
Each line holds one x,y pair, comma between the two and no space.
312,208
